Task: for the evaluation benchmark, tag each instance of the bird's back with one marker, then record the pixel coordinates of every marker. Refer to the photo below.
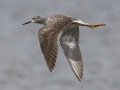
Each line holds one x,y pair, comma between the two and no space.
58,20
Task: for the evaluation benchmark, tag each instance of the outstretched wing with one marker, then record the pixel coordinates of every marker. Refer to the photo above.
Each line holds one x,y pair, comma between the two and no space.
49,46
70,44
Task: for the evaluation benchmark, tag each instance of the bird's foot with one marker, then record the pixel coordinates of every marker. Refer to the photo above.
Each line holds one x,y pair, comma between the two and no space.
96,25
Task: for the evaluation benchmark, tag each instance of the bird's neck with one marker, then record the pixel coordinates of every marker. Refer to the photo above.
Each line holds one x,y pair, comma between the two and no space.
43,21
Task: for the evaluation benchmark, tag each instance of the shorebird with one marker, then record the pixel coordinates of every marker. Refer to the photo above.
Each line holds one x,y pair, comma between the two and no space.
69,40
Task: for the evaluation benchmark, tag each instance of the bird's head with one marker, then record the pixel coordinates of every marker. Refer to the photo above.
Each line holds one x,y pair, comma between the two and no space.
35,19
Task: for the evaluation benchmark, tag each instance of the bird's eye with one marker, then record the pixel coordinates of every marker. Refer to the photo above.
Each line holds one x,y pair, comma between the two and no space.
33,18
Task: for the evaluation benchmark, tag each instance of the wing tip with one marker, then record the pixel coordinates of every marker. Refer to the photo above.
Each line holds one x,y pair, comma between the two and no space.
77,73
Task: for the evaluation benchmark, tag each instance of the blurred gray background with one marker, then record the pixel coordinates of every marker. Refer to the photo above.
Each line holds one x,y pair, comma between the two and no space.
22,66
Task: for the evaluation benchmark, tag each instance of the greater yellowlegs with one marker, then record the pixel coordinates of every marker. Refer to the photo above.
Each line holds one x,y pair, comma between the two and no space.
69,40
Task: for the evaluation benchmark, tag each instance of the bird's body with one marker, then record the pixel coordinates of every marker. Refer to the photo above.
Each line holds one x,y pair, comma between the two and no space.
69,40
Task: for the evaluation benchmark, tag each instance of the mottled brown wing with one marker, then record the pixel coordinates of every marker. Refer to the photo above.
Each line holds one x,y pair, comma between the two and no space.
48,37
49,46
70,43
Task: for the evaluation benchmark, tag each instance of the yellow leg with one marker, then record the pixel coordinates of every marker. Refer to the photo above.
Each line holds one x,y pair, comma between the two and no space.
80,23
95,25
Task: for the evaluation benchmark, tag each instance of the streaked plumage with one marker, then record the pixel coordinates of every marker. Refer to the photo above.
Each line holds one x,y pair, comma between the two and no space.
69,40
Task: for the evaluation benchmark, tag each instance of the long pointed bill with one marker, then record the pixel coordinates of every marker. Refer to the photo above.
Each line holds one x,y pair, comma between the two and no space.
26,23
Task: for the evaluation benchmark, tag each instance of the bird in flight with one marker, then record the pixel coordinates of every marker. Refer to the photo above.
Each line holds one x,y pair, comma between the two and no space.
69,40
